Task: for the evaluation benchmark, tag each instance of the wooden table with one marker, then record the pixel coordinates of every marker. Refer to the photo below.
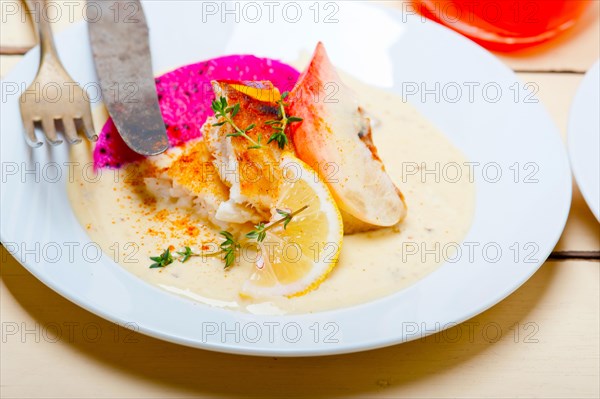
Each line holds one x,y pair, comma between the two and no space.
548,347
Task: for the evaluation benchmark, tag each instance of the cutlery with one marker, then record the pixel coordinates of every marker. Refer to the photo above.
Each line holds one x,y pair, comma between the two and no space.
53,96
121,50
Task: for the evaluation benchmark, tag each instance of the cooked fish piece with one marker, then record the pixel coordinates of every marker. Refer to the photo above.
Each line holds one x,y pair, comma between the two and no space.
188,176
252,174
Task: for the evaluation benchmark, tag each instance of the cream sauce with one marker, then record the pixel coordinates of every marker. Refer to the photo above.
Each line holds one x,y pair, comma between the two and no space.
371,265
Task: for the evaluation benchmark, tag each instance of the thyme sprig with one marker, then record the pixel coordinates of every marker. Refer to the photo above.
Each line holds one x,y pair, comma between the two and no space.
228,250
260,230
228,112
230,246
279,125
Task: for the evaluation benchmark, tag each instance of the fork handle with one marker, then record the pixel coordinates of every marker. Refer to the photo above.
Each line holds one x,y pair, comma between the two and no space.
47,47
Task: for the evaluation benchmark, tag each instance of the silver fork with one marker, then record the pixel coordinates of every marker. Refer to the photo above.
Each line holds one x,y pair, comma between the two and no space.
53,95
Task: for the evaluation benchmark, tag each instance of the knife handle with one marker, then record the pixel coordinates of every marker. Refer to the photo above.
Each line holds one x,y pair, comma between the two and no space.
47,47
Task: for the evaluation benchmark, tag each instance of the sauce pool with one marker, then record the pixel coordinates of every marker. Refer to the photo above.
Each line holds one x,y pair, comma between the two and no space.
118,214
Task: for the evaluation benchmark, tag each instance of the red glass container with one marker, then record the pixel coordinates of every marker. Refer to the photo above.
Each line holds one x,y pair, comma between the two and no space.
504,25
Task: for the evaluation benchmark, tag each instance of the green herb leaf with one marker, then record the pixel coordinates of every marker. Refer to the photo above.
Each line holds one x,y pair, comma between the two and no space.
164,260
186,254
227,113
229,247
287,217
229,259
258,233
280,138
235,110
280,125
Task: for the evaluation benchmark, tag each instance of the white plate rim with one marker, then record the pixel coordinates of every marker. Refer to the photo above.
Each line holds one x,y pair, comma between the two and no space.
579,128
314,350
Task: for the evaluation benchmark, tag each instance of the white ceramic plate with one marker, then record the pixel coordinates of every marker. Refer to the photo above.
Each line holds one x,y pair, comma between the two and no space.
584,138
499,125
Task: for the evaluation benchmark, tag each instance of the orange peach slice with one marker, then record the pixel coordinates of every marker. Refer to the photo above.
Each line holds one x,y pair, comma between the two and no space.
335,139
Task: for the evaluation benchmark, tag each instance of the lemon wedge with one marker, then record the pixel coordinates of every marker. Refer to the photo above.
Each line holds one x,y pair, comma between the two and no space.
295,259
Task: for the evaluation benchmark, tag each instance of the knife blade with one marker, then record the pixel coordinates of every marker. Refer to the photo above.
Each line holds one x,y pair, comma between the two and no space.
120,47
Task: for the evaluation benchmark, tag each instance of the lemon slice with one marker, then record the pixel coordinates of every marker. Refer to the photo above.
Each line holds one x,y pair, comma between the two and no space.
296,259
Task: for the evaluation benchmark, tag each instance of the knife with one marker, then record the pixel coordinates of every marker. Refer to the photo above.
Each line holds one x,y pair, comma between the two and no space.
119,40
